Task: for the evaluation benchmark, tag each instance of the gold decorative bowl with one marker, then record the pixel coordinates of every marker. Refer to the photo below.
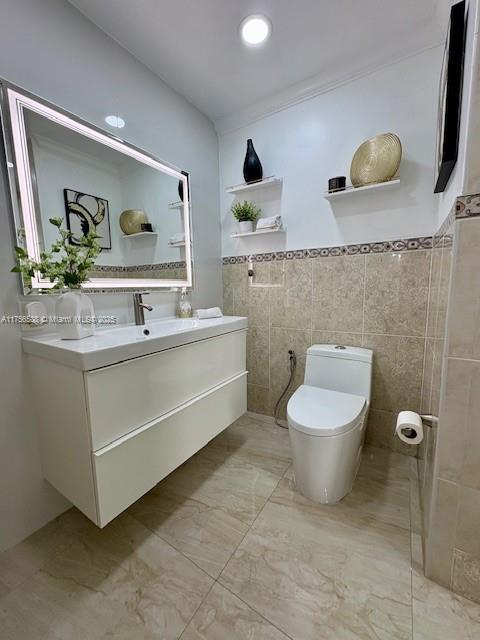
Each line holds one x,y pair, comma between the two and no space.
376,160
131,221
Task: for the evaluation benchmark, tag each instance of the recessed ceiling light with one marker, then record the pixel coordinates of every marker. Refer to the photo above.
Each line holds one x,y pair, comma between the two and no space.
255,29
115,121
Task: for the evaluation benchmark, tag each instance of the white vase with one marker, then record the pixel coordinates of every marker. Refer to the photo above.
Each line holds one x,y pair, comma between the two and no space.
74,315
246,226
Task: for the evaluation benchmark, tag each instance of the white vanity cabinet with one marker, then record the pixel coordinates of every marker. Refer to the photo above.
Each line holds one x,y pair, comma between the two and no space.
110,434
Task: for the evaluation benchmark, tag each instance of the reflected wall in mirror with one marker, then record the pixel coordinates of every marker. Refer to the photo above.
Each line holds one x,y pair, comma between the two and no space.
94,181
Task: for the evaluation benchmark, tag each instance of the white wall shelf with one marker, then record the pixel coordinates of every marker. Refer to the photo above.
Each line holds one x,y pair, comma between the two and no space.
260,232
141,233
254,186
350,191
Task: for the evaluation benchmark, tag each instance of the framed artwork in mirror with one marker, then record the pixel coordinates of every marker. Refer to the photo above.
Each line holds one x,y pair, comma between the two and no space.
87,213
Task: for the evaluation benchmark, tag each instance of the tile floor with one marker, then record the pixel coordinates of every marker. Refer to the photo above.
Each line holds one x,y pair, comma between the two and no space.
226,549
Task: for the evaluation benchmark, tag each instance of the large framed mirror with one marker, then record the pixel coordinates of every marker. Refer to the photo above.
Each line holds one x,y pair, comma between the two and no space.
139,206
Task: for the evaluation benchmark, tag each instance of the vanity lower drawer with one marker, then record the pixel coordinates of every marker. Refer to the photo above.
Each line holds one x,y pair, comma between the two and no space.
126,396
126,470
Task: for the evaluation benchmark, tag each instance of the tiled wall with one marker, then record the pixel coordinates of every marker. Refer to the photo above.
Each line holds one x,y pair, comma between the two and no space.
434,354
378,301
452,541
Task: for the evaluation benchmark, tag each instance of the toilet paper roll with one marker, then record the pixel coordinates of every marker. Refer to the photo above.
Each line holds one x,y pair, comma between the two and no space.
409,427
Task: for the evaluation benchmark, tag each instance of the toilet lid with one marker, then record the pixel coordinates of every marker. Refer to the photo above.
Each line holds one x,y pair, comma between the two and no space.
321,412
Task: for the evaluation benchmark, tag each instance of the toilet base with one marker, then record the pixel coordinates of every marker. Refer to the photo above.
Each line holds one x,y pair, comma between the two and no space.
325,467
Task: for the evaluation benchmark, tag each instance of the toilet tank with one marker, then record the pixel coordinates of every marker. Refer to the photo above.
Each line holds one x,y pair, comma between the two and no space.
340,368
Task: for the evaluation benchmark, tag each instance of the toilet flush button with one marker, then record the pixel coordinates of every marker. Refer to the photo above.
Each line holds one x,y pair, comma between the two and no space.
340,346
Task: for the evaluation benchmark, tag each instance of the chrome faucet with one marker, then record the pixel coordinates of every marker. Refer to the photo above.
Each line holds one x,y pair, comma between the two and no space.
139,308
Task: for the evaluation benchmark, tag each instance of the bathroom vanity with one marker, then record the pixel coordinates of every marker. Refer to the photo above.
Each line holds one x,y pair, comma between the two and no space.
121,410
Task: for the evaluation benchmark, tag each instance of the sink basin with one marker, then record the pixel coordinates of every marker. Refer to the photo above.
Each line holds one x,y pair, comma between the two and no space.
113,345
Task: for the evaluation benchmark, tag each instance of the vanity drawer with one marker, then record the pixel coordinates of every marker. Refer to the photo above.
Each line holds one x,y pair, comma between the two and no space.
126,396
127,469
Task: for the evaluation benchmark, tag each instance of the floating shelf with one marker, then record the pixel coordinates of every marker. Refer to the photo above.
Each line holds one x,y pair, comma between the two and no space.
260,232
350,191
176,205
140,233
253,186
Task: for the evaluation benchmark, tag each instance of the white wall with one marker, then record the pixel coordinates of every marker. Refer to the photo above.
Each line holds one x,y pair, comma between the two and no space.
50,49
58,167
316,139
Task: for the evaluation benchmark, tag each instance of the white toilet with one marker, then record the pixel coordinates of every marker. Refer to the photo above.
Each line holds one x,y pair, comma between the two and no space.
327,417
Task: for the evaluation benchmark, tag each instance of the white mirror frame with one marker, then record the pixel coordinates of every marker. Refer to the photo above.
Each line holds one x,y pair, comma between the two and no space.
17,103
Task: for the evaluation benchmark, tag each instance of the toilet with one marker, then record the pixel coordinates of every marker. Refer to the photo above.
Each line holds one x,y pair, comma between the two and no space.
327,417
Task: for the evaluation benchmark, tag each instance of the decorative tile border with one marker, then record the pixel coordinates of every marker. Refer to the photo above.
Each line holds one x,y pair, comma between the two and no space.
388,246
467,206
464,207
139,267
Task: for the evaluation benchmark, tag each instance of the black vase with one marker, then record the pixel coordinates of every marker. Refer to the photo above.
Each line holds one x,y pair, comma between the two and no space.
252,167
180,189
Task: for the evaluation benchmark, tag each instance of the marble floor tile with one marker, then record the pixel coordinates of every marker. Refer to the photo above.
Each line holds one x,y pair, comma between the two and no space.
235,486
19,564
207,535
324,572
383,464
388,501
261,443
105,576
287,568
223,616
439,614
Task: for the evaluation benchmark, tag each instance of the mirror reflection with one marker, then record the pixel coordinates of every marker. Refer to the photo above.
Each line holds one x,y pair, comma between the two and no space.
135,209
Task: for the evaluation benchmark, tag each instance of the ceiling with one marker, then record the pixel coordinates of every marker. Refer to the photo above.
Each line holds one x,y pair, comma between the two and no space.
194,46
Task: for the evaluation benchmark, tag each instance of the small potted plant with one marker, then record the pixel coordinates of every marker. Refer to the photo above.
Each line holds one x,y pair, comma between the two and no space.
246,213
67,266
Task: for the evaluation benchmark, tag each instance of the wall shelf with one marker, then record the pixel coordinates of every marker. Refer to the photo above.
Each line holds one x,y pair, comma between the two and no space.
350,191
260,232
254,186
141,233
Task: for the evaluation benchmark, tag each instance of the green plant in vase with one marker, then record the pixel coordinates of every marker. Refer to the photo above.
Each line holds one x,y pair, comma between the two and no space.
246,213
67,267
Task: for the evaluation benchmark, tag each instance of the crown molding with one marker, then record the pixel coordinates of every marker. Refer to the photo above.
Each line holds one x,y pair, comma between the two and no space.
302,92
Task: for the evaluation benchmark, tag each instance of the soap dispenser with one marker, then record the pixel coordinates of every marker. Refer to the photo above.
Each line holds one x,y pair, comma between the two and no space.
184,309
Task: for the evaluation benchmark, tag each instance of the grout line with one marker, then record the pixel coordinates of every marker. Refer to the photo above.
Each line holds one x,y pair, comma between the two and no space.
364,300
427,319
255,611
196,610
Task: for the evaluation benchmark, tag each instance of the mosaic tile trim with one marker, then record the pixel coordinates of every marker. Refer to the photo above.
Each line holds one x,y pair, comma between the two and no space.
445,227
410,244
140,267
467,206
464,207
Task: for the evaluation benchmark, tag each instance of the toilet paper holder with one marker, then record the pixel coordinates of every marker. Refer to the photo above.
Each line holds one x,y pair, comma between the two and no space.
429,420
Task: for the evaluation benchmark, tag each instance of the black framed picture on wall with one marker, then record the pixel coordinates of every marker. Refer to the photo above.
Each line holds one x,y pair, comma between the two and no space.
450,96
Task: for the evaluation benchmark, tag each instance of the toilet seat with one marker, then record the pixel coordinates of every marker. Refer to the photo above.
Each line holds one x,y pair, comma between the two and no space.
322,412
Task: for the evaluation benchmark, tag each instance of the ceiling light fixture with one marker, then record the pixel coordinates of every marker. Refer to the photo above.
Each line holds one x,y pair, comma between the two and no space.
255,29
115,121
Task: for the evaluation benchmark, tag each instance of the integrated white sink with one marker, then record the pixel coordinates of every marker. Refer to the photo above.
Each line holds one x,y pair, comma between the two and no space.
113,345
